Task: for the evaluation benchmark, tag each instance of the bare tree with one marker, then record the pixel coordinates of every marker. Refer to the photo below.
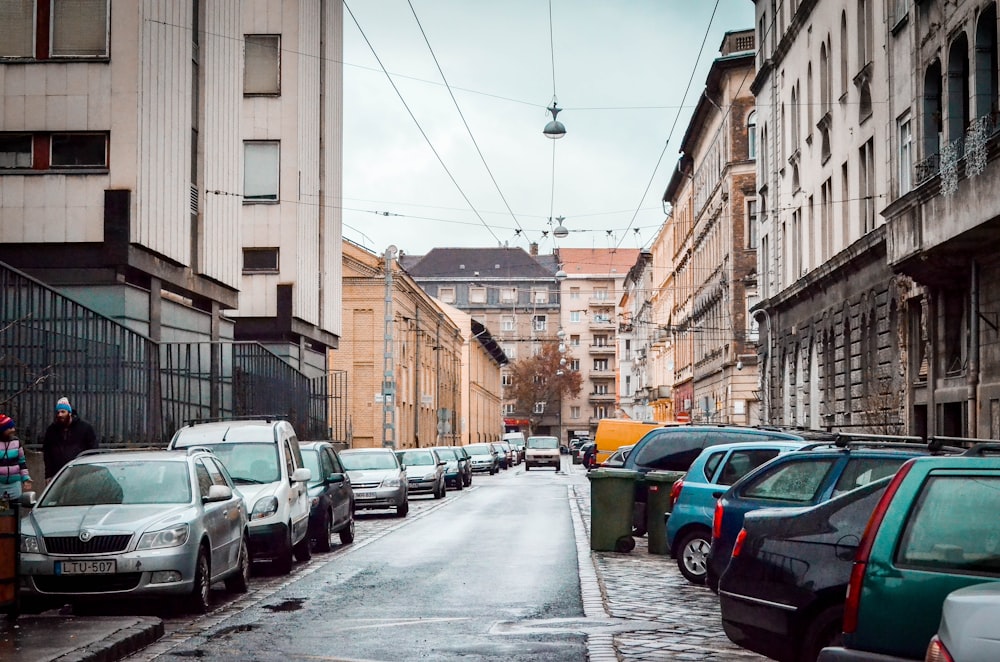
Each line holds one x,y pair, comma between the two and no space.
542,378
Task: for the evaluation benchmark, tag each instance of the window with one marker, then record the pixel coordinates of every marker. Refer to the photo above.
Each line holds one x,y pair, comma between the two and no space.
753,327
866,184
600,389
446,294
600,340
574,412
574,316
260,171
539,408
508,408
600,411
477,295
15,150
905,131
510,350
601,293
752,135
508,294
574,293
62,29
262,64
79,150
539,296
741,462
574,364
260,260
752,224
506,379
509,323
792,481
539,323
574,341
863,470
600,365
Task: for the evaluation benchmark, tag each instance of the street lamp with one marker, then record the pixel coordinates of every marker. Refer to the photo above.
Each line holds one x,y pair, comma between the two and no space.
555,128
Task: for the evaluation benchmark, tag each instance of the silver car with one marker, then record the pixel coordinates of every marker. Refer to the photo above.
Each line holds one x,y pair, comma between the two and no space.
377,478
424,471
144,524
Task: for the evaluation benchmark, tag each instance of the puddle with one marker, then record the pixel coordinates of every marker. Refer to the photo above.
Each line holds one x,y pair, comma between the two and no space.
288,605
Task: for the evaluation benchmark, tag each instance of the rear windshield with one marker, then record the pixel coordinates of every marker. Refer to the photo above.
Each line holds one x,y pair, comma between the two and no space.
446,454
477,450
416,458
543,443
935,539
793,481
368,461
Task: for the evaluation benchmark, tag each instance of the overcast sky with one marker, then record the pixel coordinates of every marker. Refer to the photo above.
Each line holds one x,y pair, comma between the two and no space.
621,68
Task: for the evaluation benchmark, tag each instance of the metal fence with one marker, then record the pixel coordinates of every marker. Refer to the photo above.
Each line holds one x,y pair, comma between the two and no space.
135,391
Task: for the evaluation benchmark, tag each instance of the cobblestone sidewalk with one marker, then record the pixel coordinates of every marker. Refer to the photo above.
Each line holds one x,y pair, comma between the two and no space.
656,613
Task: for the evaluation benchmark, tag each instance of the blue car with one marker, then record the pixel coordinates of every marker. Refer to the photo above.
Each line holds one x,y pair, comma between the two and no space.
812,475
689,522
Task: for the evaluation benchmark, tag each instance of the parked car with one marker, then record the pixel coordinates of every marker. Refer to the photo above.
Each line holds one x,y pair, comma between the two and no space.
782,594
503,455
424,471
464,464
265,461
934,530
377,478
516,441
137,524
331,498
675,448
617,459
689,522
542,451
484,458
453,475
968,630
812,475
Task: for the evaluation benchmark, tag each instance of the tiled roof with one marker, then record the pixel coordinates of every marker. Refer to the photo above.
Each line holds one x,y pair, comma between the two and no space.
489,262
598,261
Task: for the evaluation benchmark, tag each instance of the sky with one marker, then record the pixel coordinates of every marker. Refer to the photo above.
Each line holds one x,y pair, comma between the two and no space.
447,149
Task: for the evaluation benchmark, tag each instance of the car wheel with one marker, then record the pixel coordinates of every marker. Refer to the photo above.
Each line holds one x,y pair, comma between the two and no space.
239,581
527,466
198,600
825,630
401,510
467,480
440,491
347,533
692,556
493,470
283,563
303,550
323,541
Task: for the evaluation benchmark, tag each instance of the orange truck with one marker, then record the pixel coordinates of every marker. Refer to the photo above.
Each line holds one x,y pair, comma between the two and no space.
614,432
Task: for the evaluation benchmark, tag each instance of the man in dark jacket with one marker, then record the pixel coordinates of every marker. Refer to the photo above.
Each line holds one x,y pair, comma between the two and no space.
67,436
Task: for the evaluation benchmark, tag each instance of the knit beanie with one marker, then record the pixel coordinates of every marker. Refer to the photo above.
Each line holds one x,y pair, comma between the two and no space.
6,423
63,405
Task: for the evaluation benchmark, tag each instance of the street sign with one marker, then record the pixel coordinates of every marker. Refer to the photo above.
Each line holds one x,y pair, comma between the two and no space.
683,417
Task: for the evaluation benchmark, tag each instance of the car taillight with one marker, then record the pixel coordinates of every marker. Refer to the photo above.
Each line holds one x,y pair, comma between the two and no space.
852,604
738,545
717,520
675,492
936,652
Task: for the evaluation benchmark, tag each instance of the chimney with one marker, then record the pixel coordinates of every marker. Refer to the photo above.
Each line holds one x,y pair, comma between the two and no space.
534,249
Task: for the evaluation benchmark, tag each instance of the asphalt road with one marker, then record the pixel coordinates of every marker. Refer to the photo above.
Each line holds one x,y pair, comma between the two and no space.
456,579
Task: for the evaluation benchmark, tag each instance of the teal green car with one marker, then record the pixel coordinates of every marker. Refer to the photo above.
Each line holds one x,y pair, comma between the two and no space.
935,530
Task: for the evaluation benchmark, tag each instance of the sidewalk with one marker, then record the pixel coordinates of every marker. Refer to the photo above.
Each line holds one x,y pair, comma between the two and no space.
49,637
645,608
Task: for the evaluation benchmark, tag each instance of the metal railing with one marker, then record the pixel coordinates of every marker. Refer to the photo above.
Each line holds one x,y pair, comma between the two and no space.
135,391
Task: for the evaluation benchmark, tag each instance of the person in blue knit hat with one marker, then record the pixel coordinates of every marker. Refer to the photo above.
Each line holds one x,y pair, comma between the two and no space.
67,436
13,465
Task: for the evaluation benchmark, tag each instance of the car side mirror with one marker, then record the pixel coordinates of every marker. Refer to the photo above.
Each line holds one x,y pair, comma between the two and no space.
301,475
218,493
442,464
335,478
28,499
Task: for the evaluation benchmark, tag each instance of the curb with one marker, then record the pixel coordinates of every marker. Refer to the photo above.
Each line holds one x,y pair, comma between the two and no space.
119,644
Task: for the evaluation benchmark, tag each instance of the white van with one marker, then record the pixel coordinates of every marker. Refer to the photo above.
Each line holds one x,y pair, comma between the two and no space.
516,441
265,462
542,452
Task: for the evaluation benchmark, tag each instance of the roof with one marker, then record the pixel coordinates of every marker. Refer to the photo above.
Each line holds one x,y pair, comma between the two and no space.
614,262
497,262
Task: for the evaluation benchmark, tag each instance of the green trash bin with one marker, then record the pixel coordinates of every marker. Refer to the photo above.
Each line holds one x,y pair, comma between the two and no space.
612,495
660,484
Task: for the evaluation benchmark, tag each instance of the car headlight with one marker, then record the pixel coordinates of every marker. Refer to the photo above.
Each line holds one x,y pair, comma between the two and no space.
29,544
390,482
172,537
264,508
431,476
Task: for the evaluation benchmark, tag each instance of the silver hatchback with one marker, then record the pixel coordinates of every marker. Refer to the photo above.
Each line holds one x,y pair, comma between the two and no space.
143,524
378,479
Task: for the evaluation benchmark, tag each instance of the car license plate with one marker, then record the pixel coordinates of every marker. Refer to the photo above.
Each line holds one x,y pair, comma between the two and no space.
85,567
364,495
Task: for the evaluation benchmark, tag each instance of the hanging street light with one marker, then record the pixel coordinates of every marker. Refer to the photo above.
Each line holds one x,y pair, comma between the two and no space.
555,128
560,232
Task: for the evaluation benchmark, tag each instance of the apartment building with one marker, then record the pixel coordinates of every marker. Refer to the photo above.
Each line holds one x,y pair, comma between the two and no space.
404,357
592,326
176,165
702,340
636,330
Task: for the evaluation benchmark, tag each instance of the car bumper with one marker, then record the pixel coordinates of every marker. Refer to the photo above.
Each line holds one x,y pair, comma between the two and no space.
268,541
422,486
759,627
482,467
544,461
378,498
840,654
148,573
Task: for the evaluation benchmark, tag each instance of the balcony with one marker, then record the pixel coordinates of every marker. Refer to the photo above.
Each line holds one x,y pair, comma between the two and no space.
601,324
597,398
603,373
600,302
602,350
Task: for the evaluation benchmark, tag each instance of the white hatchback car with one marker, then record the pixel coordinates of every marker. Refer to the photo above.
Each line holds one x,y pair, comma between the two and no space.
265,461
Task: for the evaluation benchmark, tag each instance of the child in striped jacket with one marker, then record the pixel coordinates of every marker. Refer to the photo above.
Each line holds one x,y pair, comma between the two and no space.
13,464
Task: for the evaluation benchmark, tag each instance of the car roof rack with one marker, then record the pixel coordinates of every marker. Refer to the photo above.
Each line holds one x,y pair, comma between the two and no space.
270,418
849,440
983,448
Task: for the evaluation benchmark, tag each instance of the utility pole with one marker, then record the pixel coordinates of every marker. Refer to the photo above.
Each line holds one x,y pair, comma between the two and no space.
388,362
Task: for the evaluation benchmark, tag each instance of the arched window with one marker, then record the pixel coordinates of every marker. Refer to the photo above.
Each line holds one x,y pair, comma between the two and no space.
824,80
958,88
932,112
986,62
844,69
752,135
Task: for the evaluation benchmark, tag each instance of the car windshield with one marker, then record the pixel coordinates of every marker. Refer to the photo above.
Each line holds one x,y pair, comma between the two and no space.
477,450
543,443
417,458
447,454
368,461
123,483
249,463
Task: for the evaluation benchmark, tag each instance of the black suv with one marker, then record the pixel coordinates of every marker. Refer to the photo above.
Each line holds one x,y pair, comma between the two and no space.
675,448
